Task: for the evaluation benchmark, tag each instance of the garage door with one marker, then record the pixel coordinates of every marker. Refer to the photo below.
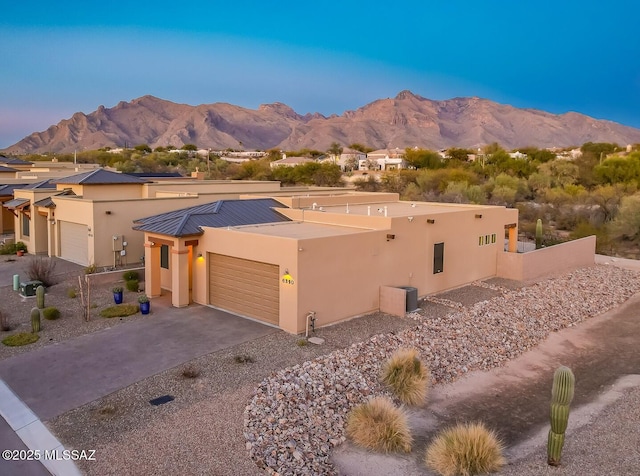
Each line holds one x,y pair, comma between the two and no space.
74,242
245,287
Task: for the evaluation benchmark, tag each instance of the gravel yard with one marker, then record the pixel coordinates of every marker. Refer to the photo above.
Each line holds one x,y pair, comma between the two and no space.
279,405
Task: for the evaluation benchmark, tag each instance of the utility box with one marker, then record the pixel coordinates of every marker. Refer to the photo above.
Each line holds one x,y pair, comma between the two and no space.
412,298
118,241
29,288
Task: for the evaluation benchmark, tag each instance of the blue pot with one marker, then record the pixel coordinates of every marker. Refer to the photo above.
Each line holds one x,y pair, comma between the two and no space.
145,307
117,297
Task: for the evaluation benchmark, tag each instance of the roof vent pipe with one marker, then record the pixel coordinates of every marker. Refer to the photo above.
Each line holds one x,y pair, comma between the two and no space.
369,211
385,211
347,208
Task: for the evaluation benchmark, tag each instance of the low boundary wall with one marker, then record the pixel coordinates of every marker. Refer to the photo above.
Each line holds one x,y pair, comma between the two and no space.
544,262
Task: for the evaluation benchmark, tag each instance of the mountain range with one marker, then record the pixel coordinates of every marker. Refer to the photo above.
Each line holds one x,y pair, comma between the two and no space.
408,120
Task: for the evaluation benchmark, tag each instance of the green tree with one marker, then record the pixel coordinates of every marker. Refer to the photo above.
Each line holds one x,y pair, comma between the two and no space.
335,149
143,148
189,147
619,170
626,224
461,155
423,158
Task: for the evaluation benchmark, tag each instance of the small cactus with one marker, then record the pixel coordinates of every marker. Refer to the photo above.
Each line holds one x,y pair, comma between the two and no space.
40,296
538,234
35,320
561,397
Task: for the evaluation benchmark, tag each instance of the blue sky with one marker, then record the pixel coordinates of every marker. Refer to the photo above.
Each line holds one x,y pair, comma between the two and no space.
328,57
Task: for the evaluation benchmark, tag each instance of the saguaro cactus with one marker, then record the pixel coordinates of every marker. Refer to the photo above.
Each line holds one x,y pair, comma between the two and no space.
561,397
35,320
538,234
40,297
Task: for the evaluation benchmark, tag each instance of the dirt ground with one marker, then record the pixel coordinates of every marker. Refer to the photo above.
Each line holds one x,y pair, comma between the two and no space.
514,400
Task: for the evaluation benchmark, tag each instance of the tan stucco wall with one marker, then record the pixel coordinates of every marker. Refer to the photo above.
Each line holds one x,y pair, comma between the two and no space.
222,187
537,264
339,276
104,192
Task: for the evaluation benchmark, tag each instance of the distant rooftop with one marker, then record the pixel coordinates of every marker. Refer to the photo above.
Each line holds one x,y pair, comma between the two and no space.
100,177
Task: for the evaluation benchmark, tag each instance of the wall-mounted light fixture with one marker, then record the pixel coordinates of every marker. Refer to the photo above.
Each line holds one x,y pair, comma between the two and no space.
430,221
391,237
199,255
108,212
410,218
478,215
151,243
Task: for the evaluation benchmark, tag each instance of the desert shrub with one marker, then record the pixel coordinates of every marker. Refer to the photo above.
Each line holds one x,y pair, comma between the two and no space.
8,249
465,449
22,338
119,310
130,275
72,293
190,371
106,410
41,269
243,359
302,342
132,285
379,425
91,269
407,376
51,313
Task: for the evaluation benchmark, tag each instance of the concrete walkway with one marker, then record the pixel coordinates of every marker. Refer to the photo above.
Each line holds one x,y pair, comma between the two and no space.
60,377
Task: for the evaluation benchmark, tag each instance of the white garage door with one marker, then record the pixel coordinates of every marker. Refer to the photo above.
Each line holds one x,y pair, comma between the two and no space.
245,287
74,242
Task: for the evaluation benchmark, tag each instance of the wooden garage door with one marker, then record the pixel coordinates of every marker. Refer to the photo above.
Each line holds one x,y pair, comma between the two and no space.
74,242
245,287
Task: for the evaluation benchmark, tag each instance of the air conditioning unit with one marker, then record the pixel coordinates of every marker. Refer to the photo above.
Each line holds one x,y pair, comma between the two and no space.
29,288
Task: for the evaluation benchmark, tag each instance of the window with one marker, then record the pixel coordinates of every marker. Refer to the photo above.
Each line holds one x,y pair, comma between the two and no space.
25,225
164,256
486,239
438,258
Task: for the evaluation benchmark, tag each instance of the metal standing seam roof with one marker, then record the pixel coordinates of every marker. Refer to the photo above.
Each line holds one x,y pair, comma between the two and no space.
9,188
219,214
100,177
42,184
16,203
13,161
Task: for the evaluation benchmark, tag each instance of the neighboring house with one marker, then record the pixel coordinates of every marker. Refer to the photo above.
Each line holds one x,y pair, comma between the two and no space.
86,218
14,162
290,161
349,159
383,159
276,260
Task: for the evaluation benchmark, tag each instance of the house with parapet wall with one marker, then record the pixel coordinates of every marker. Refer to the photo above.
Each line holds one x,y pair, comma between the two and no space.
86,218
279,259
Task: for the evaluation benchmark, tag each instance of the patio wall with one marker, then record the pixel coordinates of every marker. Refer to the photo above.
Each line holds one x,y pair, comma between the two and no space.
540,263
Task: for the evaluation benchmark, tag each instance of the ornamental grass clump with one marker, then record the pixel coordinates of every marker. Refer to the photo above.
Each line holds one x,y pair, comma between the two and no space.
465,449
51,313
22,338
119,310
380,426
407,376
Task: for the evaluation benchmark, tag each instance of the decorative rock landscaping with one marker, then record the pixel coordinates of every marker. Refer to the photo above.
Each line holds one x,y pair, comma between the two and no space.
298,414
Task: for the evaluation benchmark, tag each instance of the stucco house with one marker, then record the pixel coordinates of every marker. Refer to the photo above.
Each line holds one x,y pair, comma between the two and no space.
277,259
86,218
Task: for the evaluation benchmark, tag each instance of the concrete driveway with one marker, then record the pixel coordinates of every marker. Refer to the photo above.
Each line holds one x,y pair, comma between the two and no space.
57,378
